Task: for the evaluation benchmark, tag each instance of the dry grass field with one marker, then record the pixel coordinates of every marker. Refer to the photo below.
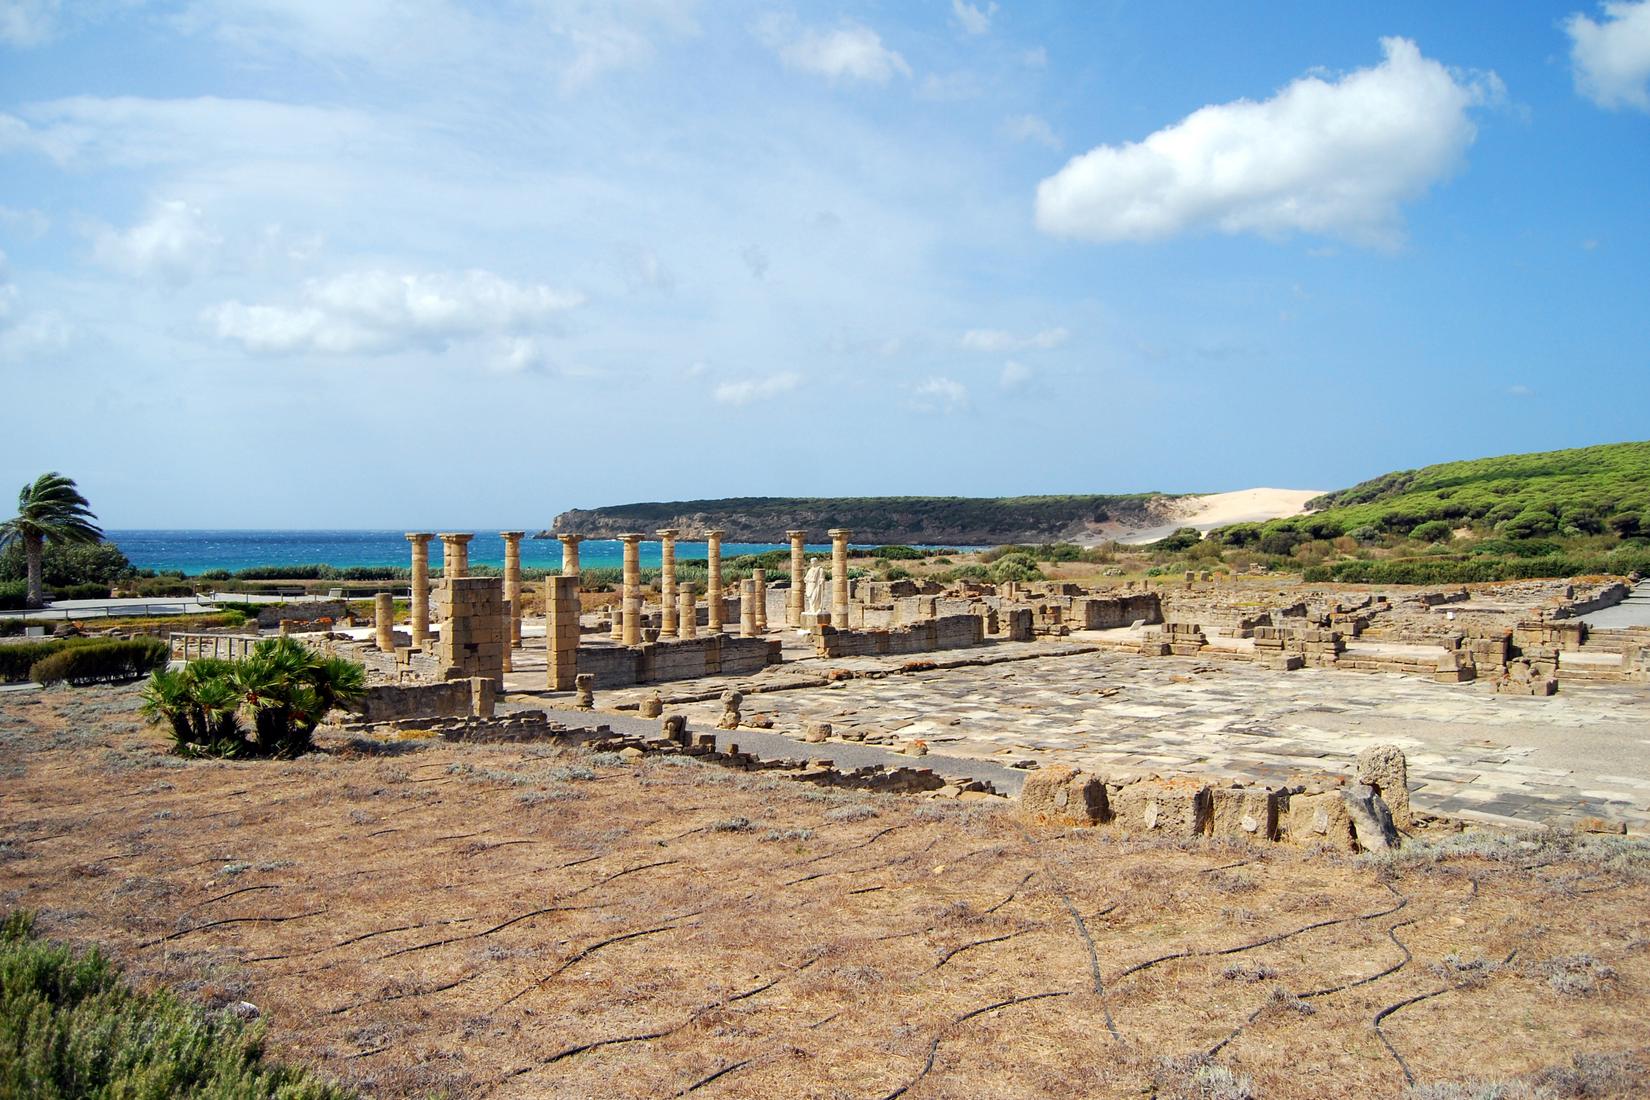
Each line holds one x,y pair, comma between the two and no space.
533,921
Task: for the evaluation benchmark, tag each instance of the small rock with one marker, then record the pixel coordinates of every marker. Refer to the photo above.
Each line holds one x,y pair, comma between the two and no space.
760,722
631,754
1600,825
916,748
246,1010
947,791
652,706
815,732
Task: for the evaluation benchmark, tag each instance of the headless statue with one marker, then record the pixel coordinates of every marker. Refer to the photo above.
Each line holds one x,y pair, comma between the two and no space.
813,589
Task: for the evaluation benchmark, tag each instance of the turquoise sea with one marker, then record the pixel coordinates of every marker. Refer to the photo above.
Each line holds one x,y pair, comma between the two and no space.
193,552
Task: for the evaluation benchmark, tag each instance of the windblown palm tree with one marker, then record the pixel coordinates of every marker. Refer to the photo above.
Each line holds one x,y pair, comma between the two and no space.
50,508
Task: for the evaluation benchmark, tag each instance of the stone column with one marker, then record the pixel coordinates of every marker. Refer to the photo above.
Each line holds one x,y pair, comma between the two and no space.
687,615
667,582
512,582
759,579
793,599
570,554
713,587
420,587
383,614
561,630
455,555
509,609
618,620
747,609
632,589
839,576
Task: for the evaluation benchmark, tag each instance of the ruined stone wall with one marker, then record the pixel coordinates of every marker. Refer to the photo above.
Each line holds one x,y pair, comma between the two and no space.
395,702
677,659
949,632
1108,613
473,628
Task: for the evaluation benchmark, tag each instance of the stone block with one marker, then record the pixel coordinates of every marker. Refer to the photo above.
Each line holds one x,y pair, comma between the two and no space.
1062,795
1173,807
1384,769
1371,820
1243,813
1318,817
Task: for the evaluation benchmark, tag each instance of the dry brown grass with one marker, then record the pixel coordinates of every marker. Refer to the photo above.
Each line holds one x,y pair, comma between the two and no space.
531,921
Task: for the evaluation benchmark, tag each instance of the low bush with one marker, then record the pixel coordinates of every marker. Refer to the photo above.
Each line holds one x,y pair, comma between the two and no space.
159,586
1015,567
12,628
1433,530
17,658
1456,570
14,595
897,553
101,662
92,591
69,1026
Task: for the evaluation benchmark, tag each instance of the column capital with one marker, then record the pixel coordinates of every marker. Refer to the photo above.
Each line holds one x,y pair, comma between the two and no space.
420,538
631,537
841,534
456,536
512,536
796,536
717,534
573,540
668,532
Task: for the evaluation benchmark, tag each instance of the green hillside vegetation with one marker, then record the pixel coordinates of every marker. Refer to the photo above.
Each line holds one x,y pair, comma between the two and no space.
1554,513
875,519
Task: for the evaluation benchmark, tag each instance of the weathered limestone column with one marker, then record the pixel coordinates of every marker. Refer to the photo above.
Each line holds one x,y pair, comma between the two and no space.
793,599
420,586
667,582
561,631
632,589
759,578
713,587
747,609
512,583
570,554
455,555
839,576
383,613
687,615
618,620
509,609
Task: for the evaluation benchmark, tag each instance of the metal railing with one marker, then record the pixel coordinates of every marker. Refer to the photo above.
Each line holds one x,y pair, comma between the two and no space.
228,647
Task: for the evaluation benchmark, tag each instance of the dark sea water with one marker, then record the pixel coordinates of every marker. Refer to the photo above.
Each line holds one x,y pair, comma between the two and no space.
193,552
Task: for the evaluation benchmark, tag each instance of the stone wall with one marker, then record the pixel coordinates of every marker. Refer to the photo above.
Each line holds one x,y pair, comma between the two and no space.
677,659
948,632
473,628
396,702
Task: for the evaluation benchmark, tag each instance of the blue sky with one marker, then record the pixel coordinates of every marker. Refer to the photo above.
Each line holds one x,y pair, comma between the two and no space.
378,264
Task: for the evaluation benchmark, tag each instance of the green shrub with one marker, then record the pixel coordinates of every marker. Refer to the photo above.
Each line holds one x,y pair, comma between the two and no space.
893,553
63,564
92,591
159,586
1530,523
1183,539
1434,530
1015,567
101,662
69,1026
14,595
11,628
16,658
1459,570
897,573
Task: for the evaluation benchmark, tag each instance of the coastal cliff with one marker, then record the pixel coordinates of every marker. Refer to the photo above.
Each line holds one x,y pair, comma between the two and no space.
952,521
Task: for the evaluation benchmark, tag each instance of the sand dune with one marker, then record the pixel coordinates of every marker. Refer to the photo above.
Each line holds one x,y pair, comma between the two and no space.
1216,510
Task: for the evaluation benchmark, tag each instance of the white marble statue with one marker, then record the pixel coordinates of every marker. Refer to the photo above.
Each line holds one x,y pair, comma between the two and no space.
813,589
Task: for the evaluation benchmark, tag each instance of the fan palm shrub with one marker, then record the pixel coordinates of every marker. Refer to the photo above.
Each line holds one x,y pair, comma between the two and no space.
48,508
200,705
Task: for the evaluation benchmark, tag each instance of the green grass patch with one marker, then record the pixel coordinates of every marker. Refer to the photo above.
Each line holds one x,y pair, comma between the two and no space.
71,1027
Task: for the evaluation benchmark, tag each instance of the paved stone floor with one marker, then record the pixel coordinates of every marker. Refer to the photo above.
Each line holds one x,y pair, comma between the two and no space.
1472,754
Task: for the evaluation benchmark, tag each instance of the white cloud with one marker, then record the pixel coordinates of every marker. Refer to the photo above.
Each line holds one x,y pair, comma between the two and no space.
974,20
26,23
381,311
26,335
174,243
850,52
746,390
1032,128
996,340
1520,390
1611,59
1334,158
1014,375
28,223
940,394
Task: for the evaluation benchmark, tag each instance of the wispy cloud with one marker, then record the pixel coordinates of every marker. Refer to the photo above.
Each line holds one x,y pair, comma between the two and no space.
851,51
998,340
744,391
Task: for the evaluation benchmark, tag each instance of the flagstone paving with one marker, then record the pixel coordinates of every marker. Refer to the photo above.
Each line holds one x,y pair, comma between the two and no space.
1472,753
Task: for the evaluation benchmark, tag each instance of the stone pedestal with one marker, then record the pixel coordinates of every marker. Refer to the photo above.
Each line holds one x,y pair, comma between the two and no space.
420,587
561,626
747,609
759,579
383,609
617,633
713,587
570,554
632,589
512,581
793,599
687,615
839,576
455,555
667,582
473,640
